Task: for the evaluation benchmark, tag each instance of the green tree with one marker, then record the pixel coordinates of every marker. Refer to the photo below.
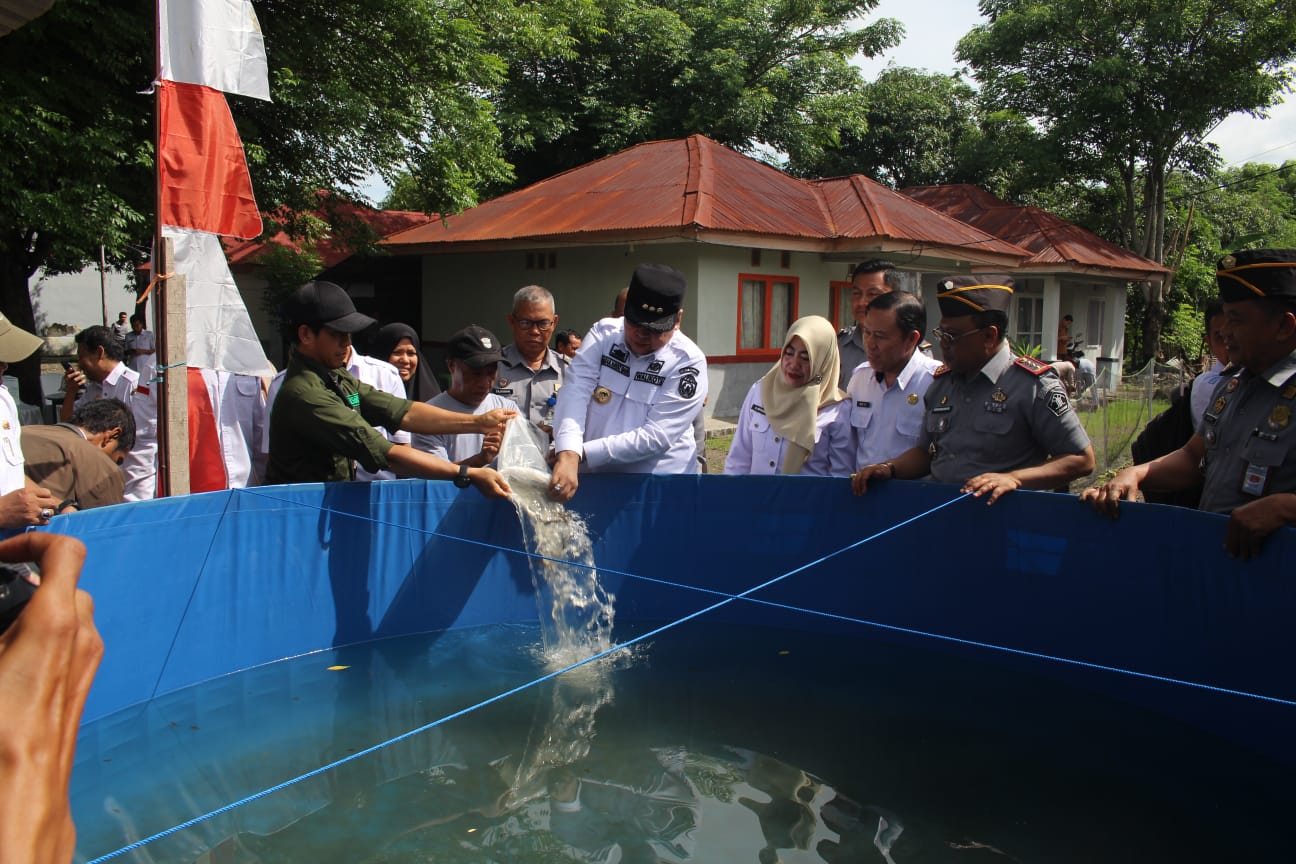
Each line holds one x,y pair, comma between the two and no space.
360,87
1125,91
753,74
916,122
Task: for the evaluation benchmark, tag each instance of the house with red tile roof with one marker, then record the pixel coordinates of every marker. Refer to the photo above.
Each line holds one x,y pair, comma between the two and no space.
1070,271
759,248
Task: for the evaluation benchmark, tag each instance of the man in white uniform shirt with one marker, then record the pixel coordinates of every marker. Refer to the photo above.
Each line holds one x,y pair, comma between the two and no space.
22,502
886,390
631,394
378,374
473,355
102,374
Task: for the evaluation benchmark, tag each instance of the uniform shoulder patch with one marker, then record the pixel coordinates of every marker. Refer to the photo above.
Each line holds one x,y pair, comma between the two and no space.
1031,365
1058,402
940,370
845,331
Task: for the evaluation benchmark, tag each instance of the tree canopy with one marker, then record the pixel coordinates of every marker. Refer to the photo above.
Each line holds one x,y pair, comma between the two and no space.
1125,91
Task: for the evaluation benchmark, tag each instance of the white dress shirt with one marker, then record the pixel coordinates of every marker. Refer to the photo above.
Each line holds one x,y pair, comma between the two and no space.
140,464
645,423
11,465
887,420
758,449
241,420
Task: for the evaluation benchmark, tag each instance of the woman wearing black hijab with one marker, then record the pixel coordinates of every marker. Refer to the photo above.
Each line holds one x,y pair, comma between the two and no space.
398,344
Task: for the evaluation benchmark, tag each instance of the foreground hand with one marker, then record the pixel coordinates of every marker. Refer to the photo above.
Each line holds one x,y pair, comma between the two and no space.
1250,524
565,477
489,482
48,660
491,442
32,505
861,478
494,420
1107,497
994,485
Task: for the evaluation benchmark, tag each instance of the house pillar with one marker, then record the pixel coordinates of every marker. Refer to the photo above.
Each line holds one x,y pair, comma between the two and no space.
1051,314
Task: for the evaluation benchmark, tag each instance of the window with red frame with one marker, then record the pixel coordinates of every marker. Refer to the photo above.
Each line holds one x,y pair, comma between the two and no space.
841,304
767,306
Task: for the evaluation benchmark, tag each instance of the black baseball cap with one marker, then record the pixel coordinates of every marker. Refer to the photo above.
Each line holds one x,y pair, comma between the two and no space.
475,346
655,296
324,304
1253,273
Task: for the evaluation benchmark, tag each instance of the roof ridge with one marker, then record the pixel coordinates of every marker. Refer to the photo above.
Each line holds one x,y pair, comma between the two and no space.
699,183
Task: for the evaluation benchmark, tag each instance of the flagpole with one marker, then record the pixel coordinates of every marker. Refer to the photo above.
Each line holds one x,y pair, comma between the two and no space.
170,325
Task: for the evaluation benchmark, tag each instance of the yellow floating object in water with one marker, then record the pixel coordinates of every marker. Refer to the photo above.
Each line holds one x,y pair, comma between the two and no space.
337,668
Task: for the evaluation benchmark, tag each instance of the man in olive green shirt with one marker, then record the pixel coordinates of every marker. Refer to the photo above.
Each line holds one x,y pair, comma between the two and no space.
323,419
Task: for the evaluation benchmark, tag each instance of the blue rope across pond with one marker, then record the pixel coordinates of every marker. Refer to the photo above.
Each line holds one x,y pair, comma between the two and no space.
726,599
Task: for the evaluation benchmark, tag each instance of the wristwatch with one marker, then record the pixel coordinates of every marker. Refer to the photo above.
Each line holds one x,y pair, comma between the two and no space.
461,480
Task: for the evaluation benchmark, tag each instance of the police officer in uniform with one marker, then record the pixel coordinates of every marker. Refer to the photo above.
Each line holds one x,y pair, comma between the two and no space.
323,419
1244,450
992,422
633,390
869,280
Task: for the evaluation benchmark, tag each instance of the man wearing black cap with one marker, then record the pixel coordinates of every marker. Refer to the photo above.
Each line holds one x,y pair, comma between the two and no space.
323,419
631,394
993,422
473,355
1244,450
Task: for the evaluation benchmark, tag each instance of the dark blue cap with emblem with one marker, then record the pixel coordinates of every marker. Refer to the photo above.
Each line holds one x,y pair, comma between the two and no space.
968,295
655,296
1253,273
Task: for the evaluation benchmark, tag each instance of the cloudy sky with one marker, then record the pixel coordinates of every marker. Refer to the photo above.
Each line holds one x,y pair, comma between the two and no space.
933,28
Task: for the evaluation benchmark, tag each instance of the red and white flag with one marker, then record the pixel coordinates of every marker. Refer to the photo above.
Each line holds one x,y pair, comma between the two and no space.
203,171
208,48
216,43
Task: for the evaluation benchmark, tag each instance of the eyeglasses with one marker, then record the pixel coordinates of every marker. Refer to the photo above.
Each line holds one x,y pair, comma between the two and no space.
544,325
946,338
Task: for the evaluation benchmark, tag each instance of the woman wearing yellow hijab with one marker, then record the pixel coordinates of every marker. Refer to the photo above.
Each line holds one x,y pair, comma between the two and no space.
795,420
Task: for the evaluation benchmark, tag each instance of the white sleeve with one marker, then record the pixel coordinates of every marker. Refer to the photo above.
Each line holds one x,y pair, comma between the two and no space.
740,452
669,420
841,455
574,395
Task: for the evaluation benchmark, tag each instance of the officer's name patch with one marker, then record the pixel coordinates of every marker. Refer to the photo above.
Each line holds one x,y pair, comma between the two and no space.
649,378
862,404
1058,403
616,365
759,409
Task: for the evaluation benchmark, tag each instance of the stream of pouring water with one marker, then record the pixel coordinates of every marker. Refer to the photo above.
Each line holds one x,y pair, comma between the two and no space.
575,610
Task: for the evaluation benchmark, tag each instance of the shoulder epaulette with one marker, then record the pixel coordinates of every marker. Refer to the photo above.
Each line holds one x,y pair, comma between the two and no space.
940,370
1031,365
845,331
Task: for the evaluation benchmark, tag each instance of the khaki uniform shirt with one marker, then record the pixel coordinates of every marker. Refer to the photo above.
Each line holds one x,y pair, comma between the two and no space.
531,389
1247,429
850,346
323,422
70,467
1000,418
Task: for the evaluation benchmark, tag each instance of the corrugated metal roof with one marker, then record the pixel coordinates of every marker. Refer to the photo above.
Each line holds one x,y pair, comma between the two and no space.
1054,242
685,186
332,250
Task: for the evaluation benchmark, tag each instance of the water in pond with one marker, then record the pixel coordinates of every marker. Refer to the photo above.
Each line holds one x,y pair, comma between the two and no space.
720,744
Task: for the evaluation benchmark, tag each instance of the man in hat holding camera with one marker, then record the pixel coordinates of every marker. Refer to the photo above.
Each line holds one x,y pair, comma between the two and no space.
323,419
1244,449
992,422
631,394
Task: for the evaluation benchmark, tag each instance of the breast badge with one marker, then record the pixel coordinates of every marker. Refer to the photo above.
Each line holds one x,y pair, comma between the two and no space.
602,395
913,398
